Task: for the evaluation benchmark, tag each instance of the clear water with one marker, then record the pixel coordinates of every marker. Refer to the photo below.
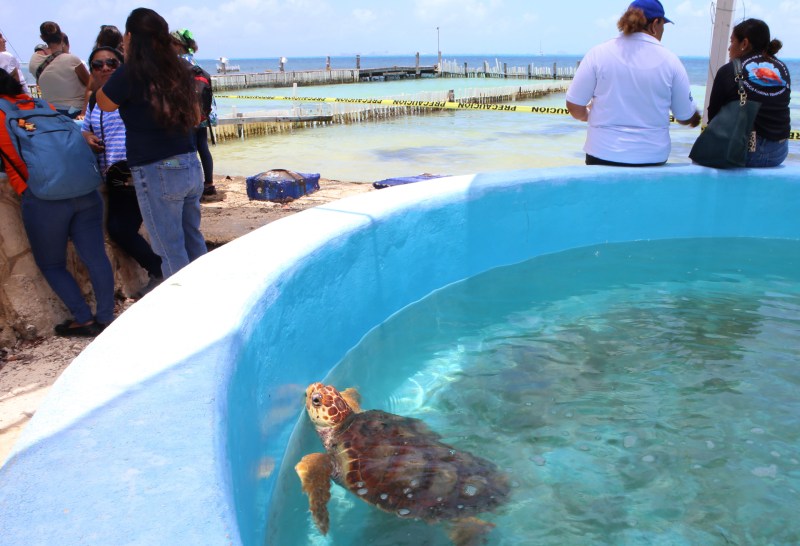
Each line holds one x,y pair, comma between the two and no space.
638,393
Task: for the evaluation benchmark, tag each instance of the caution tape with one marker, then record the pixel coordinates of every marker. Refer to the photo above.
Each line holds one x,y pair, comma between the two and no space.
439,105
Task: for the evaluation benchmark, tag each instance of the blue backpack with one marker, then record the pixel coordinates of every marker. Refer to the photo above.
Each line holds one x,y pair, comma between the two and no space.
45,150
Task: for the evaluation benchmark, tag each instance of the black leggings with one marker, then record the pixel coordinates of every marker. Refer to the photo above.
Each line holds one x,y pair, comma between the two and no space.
205,156
592,160
123,223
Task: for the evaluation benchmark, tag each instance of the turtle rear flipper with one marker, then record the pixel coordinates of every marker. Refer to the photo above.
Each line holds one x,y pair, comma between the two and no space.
469,531
315,476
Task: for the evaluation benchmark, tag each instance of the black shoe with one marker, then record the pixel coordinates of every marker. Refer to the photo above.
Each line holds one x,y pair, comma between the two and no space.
209,189
69,328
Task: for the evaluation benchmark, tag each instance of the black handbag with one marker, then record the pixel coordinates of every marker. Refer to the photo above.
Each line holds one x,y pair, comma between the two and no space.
724,142
118,175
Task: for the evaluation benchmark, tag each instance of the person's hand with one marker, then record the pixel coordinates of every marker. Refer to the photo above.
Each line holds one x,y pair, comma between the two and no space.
94,142
693,121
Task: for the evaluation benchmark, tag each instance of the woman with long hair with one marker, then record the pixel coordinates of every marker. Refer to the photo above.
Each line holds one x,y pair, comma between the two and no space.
625,89
767,81
154,92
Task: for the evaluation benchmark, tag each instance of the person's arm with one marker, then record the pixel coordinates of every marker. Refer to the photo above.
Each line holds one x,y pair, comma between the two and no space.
693,121
723,90
581,113
105,104
83,77
82,73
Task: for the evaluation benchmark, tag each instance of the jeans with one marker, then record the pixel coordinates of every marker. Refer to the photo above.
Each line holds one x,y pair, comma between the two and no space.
769,153
123,223
169,193
50,225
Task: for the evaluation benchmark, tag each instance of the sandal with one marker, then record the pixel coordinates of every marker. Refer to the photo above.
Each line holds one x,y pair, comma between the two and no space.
69,328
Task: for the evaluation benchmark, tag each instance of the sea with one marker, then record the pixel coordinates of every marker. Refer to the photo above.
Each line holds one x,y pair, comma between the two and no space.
447,143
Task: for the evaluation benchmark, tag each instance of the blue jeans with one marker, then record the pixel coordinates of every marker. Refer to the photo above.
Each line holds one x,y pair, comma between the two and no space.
169,193
50,225
769,153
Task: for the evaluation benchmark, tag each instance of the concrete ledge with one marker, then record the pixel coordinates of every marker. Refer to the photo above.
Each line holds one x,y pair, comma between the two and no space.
164,430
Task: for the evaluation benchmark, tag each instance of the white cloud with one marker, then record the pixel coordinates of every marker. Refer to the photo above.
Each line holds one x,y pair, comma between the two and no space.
687,8
364,15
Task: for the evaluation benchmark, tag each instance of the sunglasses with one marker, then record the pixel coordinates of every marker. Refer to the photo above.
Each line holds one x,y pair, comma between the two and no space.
111,63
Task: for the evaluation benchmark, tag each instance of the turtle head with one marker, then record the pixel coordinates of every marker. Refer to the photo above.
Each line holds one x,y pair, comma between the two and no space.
326,406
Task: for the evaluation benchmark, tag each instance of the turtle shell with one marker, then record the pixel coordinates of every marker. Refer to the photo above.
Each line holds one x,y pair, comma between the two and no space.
400,466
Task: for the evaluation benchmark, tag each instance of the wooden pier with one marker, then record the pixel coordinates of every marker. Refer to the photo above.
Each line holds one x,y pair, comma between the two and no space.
328,75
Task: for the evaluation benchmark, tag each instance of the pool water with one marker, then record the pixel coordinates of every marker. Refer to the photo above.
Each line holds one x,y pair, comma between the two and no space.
636,393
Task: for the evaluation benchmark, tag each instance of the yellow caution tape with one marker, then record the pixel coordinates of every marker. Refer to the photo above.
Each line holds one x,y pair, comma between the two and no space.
440,105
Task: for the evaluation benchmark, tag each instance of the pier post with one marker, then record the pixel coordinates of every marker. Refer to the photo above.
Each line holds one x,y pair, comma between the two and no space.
505,70
358,62
328,63
416,72
466,71
555,73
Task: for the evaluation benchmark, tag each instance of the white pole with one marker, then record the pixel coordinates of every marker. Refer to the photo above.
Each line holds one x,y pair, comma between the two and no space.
720,39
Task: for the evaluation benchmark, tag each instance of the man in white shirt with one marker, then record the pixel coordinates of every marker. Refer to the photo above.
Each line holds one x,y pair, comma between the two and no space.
11,64
625,89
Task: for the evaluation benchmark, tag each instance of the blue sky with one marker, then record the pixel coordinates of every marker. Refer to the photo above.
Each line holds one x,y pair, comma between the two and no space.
300,28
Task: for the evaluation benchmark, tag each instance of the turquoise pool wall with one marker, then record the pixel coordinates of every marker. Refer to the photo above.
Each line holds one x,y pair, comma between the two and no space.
172,426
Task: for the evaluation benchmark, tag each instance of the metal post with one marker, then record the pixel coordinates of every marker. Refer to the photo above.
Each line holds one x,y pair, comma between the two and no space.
439,50
719,45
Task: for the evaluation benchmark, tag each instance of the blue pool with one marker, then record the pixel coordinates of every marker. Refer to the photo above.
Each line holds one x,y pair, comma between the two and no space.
173,426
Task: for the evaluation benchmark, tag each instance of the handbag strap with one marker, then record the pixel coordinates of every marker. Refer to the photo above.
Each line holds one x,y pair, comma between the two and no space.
739,77
50,58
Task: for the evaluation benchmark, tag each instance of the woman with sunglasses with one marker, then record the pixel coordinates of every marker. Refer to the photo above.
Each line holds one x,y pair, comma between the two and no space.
154,92
105,134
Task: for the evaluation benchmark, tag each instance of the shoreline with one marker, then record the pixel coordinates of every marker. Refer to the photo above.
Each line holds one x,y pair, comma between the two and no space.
29,369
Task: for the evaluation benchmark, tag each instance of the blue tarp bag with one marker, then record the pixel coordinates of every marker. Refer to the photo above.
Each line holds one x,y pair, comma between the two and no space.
281,185
60,164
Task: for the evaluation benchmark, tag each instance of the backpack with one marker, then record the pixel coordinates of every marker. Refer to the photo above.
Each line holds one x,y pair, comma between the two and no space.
44,150
202,85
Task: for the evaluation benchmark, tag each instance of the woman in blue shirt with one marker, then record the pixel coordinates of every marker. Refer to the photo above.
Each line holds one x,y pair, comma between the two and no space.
154,92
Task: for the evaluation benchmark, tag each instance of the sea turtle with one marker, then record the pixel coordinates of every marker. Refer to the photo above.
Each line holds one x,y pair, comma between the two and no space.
397,464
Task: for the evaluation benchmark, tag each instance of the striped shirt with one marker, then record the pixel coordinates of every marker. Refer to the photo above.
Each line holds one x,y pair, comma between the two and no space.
112,133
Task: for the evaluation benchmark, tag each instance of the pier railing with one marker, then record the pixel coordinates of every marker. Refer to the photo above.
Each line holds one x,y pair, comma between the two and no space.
226,82
448,69
452,69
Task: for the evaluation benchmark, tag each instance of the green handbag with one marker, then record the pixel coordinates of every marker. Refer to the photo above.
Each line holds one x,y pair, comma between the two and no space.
724,142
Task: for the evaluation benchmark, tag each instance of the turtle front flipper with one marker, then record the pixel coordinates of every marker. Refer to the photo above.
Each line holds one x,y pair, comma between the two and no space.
353,399
469,531
315,476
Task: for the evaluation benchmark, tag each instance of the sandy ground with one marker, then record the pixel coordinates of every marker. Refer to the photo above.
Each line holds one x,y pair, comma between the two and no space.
28,370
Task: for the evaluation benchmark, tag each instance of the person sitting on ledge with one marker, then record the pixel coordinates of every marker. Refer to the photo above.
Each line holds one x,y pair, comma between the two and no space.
625,89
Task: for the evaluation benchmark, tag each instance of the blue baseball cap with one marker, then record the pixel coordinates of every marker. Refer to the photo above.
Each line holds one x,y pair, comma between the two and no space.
652,9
